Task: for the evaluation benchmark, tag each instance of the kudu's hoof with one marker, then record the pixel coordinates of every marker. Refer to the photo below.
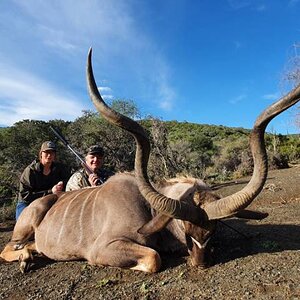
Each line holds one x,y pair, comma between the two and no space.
25,263
24,267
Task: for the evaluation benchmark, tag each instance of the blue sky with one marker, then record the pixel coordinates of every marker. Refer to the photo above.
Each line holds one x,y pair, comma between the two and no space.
201,61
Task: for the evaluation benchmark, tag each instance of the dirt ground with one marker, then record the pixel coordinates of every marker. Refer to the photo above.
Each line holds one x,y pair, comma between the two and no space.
260,260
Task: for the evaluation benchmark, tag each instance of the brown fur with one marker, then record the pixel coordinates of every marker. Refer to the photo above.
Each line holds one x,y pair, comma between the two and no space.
101,225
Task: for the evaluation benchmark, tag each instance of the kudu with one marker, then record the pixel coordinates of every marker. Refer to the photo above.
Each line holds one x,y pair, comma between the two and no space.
126,222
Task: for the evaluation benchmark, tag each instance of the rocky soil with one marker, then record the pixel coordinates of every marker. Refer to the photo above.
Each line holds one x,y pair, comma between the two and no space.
252,260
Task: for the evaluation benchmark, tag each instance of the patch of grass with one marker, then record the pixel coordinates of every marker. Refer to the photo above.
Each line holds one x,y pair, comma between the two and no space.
164,282
7,211
145,288
181,274
105,282
86,267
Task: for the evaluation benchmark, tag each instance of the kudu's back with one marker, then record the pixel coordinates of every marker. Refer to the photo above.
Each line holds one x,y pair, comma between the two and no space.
79,219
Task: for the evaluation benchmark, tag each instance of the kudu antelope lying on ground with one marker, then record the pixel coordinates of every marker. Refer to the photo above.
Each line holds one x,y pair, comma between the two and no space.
126,222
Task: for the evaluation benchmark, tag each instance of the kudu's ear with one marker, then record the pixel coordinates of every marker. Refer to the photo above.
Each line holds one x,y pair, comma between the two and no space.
157,223
250,214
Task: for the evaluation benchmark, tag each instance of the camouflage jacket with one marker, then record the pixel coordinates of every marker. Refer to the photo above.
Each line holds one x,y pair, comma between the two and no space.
80,179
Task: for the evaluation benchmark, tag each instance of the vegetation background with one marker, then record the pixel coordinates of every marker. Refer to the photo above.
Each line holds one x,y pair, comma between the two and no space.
214,153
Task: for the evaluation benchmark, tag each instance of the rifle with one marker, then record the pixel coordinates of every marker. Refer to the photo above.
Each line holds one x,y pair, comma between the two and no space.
82,161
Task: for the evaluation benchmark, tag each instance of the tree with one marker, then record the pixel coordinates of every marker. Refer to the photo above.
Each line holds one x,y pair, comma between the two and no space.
161,161
183,148
292,72
126,107
22,142
91,129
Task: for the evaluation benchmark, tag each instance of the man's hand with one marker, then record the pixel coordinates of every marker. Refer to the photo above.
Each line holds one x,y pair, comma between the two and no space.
93,179
58,188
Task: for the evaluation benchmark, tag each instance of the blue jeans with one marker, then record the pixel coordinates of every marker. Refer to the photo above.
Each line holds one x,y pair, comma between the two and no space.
19,208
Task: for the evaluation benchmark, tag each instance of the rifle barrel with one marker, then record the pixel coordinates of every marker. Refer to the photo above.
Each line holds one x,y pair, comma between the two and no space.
65,142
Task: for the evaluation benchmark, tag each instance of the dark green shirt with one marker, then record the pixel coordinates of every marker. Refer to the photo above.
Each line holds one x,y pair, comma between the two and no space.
34,184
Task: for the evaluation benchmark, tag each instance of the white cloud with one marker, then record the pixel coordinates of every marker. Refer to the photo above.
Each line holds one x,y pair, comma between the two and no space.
237,4
107,97
237,44
261,7
106,92
104,89
24,96
56,39
274,96
166,93
166,105
69,25
293,2
238,99
62,31
167,97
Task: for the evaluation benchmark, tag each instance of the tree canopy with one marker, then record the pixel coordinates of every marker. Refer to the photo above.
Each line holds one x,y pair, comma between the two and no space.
203,151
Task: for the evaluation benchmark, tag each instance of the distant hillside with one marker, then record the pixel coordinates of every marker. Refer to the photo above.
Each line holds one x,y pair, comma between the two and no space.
204,151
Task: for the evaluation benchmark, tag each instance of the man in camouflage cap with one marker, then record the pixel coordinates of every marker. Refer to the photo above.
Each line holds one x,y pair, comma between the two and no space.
94,159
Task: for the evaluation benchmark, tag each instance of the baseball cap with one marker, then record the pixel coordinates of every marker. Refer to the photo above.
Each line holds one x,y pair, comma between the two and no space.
48,146
95,149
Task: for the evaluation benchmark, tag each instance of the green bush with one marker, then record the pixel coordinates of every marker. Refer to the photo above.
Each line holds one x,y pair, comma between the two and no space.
203,151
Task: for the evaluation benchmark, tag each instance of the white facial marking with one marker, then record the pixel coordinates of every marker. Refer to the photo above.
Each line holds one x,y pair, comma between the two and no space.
199,244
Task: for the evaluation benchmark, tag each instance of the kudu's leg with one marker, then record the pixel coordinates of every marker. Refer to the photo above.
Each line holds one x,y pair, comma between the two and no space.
126,254
26,257
19,248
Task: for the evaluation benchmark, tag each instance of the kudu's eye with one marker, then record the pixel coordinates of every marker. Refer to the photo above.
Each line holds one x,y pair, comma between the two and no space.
189,242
